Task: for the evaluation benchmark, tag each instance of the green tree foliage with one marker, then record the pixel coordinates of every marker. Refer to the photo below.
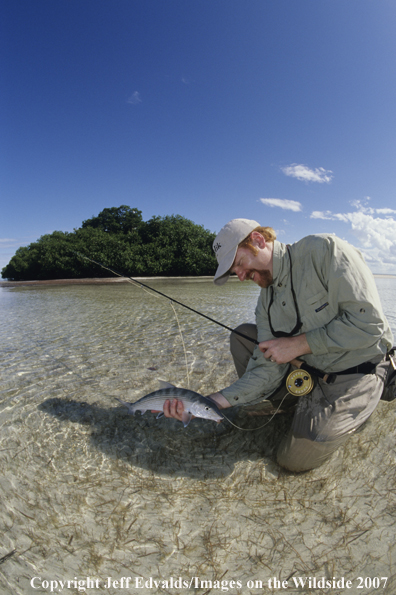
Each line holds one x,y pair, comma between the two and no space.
121,219
120,239
177,246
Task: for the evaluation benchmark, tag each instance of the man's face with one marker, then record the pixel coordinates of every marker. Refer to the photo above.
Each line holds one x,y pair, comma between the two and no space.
248,266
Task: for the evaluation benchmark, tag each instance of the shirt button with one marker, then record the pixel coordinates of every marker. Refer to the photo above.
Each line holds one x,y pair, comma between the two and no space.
283,303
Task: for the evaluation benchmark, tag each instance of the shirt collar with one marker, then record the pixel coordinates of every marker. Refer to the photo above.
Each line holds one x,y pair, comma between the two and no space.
280,264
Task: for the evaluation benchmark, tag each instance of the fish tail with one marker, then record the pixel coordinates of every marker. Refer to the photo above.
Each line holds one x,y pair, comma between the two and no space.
127,405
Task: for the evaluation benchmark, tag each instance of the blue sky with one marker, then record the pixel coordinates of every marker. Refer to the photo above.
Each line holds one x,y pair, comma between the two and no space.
282,111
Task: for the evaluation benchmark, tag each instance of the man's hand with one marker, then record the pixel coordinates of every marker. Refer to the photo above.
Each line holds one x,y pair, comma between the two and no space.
174,408
285,349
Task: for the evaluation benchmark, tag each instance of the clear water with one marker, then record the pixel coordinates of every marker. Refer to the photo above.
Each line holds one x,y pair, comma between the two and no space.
88,491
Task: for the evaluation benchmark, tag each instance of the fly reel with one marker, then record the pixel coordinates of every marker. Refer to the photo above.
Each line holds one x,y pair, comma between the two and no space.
299,383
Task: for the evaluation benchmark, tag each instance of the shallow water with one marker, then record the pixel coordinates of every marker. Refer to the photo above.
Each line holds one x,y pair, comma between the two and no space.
89,491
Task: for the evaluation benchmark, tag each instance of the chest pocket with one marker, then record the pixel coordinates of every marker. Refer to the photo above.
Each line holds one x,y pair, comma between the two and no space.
317,311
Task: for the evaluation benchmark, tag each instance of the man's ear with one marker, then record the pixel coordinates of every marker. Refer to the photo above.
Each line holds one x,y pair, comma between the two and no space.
258,240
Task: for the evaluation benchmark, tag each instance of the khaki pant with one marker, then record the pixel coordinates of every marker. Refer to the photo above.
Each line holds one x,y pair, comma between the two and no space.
323,419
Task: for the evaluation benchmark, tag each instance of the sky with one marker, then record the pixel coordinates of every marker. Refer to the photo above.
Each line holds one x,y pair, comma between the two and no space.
281,111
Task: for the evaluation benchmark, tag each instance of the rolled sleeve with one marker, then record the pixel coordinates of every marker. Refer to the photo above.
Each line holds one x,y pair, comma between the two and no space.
339,307
260,380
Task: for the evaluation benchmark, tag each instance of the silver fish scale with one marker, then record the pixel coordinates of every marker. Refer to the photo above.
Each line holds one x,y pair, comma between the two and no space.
193,402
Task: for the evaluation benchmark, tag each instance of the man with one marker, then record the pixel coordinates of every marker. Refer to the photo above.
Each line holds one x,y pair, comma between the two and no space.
318,303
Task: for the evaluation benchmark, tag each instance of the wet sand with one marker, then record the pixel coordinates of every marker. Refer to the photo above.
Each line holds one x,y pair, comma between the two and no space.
105,280
94,281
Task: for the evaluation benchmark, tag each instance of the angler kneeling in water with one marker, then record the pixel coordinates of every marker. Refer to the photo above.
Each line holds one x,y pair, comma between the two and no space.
319,303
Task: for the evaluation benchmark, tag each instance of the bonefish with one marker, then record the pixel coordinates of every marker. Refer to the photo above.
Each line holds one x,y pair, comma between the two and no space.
194,404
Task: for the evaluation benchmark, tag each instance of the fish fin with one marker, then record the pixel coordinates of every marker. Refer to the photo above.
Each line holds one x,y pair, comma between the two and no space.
122,402
186,418
127,405
160,414
164,384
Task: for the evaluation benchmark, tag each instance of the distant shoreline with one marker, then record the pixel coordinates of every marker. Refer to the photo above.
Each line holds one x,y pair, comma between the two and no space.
106,280
98,281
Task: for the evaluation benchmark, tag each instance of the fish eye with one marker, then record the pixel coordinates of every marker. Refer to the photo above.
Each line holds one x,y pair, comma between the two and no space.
206,408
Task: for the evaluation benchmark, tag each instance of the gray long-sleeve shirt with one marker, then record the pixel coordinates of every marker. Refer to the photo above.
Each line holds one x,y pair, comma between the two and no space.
339,307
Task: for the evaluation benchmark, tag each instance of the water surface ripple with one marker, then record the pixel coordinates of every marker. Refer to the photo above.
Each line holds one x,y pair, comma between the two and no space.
87,490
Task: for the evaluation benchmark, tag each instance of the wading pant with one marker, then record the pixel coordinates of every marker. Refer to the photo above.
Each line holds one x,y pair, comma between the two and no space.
325,418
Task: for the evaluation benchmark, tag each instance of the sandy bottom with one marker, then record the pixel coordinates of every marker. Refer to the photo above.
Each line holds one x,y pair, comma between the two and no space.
120,504
96,281
114,496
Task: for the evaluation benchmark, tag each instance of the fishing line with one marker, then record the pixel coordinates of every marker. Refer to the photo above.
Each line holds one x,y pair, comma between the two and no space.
260,427
327,377
145,288
184,347
293,383
169,298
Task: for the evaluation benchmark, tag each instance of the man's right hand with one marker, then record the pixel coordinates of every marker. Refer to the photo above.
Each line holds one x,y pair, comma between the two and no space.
174,408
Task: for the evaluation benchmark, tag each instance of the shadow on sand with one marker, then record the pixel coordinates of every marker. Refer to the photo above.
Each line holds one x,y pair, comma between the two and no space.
202,450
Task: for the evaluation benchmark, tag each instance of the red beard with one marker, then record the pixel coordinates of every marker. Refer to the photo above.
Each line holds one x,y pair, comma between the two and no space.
263,278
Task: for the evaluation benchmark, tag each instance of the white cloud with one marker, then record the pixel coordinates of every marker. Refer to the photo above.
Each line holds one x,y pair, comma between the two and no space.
385,211
360,206
377,235
328,215
306,174
321,215
358,203
289,205
374,232
135,98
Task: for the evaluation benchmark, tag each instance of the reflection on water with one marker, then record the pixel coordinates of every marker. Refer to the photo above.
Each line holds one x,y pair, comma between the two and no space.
88,490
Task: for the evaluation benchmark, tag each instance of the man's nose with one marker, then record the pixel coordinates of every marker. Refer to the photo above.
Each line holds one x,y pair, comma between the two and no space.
241,274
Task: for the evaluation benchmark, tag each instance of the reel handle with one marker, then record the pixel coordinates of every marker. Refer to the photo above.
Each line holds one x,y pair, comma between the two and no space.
328,378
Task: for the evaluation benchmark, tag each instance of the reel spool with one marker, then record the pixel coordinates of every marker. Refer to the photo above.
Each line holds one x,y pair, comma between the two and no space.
299,383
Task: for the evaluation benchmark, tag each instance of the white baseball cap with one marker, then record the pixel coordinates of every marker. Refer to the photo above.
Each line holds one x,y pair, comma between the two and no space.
226,244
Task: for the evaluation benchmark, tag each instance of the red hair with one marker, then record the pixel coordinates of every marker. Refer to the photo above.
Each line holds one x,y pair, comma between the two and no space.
268,234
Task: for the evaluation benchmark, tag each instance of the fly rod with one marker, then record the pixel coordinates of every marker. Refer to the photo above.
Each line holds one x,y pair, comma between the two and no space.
328,378
169,298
